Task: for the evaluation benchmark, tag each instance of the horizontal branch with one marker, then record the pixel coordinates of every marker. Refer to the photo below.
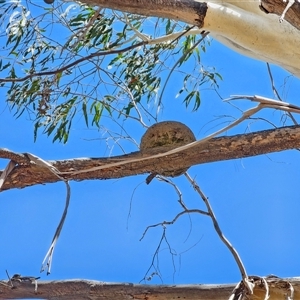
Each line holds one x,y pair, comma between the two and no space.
189,11
216,149
88,290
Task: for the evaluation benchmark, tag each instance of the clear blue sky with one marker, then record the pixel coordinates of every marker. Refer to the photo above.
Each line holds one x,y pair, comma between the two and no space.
256,200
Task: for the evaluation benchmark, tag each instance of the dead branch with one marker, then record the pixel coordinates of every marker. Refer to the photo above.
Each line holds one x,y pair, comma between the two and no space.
248,286
91,290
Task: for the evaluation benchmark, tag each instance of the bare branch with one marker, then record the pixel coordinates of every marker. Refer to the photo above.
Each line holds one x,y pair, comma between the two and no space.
164,223
178,192
19,158
222,148
268,103
47,262
155,256
217,227
277,94
90,290
44,164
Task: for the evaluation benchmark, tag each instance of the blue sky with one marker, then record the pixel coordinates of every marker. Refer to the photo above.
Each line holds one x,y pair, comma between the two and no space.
256,200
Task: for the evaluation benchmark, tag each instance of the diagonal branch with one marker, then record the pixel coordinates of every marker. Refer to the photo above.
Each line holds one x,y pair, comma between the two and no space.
35,160
74,63
235,254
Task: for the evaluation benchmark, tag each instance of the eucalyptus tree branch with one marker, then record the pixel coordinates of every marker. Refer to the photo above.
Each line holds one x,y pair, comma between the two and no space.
228,22
47,262
42,164
91,289
181,59
217,227
220,233
18,158
215,149
76,62
81,34
263,103
140,35
205,150
271,103
174,36
178,192
277,94
164,223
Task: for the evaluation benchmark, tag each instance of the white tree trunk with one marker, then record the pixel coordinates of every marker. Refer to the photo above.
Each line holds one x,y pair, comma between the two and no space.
241,25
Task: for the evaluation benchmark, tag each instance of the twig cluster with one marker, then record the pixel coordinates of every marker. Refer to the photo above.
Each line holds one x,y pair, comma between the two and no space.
247,283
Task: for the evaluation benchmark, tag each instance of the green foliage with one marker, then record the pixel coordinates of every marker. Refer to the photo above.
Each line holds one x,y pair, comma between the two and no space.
68,62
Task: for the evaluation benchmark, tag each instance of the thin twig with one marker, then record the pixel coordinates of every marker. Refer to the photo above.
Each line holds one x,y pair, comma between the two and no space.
76,62
285,106
130,203
180,200
140,35
217,227
47,262
155,256
176,64
165,38
267,294
277,94
164,223
177,190
81,34
273,83
9,279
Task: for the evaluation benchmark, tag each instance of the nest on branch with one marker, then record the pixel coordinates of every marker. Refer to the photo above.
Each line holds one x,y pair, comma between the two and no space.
165,136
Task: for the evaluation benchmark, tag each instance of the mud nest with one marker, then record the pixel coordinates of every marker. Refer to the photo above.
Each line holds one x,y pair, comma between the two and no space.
165,136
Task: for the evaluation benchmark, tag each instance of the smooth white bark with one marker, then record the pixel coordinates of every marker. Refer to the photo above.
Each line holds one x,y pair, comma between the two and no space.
239,24
242,26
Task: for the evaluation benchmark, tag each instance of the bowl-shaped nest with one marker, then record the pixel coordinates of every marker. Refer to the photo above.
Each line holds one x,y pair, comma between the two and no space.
165,136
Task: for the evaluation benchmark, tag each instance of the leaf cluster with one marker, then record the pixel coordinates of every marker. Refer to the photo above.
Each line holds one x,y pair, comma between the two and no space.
73,62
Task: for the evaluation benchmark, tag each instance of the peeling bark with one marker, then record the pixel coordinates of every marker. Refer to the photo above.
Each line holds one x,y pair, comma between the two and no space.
277,7
189,11
240,25
217,149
